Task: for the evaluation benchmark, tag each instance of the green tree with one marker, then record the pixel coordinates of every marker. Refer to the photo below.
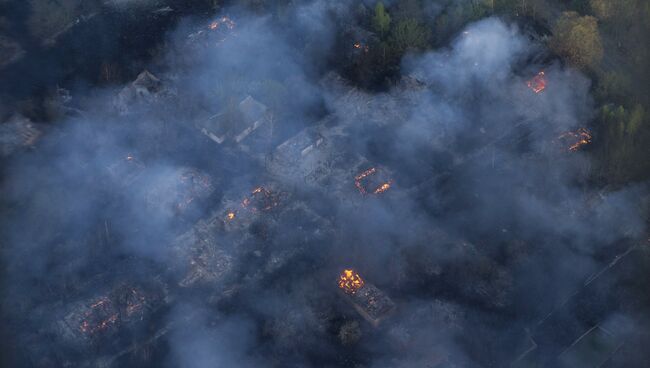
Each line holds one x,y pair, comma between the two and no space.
381,19
408,9
577,39
626,136
408,34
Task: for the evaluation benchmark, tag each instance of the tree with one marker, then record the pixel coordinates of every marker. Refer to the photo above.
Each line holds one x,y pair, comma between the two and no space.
577,39
381,19
409,34
603,9
408,9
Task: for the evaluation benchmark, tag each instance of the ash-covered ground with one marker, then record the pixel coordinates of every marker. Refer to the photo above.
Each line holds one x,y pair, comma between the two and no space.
205,213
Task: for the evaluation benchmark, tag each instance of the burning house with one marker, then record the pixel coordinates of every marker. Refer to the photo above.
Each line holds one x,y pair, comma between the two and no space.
101,322
241,228
208,250
240,212
373,181
320,157
214,33
538,83
368,300
573,141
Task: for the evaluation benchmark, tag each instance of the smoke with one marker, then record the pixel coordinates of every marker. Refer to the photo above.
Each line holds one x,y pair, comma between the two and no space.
488,227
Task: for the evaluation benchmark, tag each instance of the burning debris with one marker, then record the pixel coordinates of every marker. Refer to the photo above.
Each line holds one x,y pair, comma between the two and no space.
574,140
221,23
370,181
350,281
238,213
100,315
105,315
362,47
216,32
261,199
371,303
538,83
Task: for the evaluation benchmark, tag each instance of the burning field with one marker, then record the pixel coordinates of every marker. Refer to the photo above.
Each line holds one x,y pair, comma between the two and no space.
255,193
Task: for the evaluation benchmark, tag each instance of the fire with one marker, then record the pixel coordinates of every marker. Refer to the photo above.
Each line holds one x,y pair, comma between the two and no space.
227,22
360,46
350,281
94,321
382,188
359,179
538,83
230,215
135,302
576,139
261,199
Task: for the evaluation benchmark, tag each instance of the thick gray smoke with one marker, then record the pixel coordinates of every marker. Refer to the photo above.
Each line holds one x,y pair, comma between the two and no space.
490,224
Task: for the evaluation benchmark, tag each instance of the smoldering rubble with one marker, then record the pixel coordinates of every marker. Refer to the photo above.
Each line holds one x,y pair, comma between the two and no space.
205,213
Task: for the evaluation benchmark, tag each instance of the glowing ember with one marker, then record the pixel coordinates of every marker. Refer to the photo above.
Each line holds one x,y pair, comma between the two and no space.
261,199
538,83
223,21
382,188
360,46
100,316
576,139
361,178
350,281
135,301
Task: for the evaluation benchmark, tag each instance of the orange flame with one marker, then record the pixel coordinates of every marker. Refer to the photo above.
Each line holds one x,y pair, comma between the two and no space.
90,326
261,199
538,83
576,139
358,182
230,215
229,23
382,188
360,46
350,281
